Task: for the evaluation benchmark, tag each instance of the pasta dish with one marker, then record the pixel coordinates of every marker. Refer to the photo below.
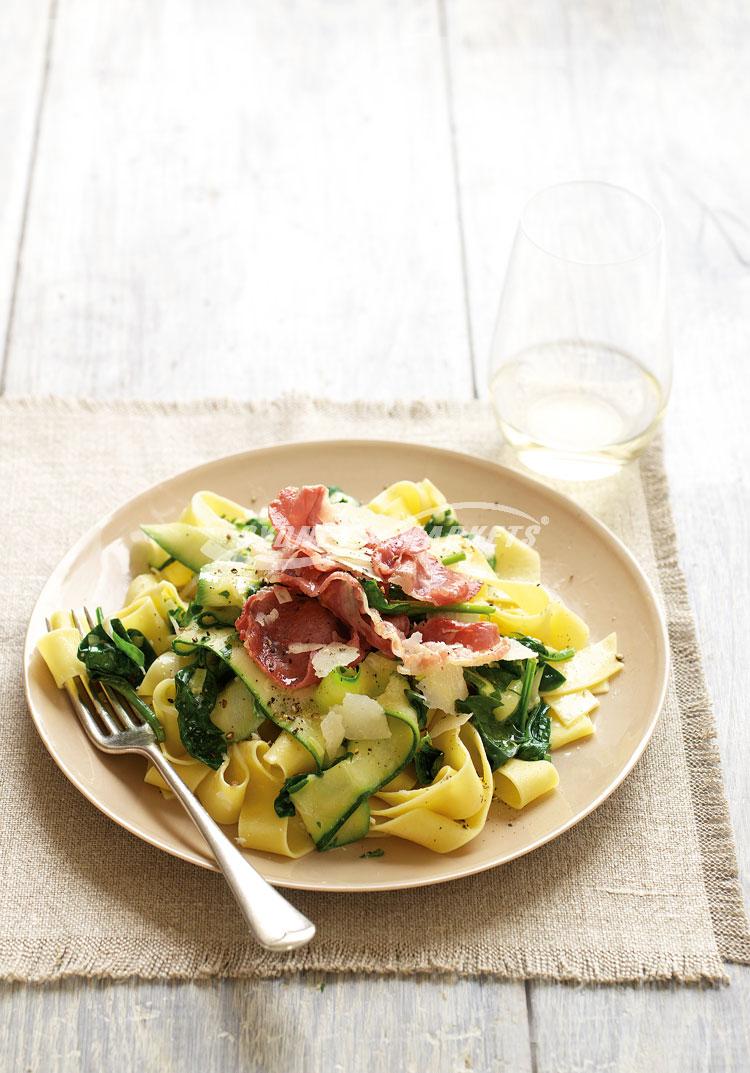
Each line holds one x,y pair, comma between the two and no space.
320,670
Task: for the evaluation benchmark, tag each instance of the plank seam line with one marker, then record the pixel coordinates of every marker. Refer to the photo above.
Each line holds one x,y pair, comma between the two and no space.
530,1024
445,50
51,17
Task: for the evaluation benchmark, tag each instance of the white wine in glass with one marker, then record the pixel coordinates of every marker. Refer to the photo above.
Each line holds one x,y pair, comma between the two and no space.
581,360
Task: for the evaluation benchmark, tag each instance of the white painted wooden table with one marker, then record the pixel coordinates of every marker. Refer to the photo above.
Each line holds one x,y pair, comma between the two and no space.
251,196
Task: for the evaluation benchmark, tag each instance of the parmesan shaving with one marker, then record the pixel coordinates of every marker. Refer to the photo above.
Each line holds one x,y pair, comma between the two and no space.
283,596
363,718
297,647
332,729
327,658
441,722
441,688
265,619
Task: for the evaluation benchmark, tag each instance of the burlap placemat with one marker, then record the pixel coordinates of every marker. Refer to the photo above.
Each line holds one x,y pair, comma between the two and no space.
644,889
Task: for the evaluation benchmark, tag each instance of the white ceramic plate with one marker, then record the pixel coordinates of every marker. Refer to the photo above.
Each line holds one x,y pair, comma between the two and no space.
581,559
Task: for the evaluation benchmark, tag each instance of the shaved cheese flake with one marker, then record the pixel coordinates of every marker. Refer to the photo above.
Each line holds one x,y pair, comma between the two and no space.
283,596
349,536
297,647
589,667
443,687
572,706
440,722
265,619
336,654
364,719
332,729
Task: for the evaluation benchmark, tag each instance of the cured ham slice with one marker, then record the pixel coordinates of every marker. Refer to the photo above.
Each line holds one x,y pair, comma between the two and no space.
435,643
294,514
283,644
407,561
479,636
298,508
441,641
342,594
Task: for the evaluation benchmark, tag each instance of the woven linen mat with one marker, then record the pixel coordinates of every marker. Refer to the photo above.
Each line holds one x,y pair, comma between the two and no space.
645,888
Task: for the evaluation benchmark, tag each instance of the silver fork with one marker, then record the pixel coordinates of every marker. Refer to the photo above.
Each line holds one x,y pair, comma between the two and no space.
114,727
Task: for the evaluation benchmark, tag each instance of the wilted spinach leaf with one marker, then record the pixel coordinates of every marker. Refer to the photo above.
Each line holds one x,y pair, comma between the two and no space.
524,734
427,761
196,692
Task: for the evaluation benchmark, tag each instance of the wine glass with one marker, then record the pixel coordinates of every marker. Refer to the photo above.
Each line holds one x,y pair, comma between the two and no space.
581,363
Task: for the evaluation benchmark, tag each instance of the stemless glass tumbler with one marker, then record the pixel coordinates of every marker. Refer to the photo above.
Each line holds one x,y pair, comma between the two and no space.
581,363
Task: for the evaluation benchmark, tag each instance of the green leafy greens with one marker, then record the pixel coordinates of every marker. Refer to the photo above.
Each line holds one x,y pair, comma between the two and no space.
525,732
552,676
119,658
338,495
253,525
402,605
197,689
427,761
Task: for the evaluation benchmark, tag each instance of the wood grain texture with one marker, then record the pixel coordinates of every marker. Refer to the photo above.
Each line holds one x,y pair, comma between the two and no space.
252,197
24,33
656,98
292,1026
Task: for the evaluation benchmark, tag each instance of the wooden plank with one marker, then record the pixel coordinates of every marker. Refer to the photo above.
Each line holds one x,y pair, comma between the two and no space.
24,34
239,199
654,97
281,1026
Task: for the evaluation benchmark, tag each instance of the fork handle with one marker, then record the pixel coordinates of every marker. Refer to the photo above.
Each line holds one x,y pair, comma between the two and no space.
274,921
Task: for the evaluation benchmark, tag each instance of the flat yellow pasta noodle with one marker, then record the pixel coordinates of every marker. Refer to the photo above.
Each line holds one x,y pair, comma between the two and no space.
141,585
518,782
528,608
191,771
405,780
475,565
287,753
164,667
142,615
163,594
59,650
408,499
515,560
258,826
451,811
563,628
570,707
589,667
562,734
222,792
209,509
